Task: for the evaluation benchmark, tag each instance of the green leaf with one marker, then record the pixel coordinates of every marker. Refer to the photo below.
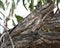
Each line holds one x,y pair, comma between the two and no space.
19,18
2,13
1,5
39,2
58,1
13,7
13,23
31,6
24,4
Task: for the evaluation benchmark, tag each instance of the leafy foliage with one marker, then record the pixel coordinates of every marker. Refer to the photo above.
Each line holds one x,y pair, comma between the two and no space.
24,4
58,1
5,6
2,5
13,6
31,6
13,23
19,18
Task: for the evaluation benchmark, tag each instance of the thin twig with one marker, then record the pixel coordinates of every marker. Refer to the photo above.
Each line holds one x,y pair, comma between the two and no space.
9,36
2,36
4,27
11,42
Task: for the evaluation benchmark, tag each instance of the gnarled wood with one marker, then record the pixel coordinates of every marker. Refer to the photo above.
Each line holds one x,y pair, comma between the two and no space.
28,34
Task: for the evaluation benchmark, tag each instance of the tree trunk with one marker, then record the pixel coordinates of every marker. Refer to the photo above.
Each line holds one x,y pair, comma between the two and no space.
28,33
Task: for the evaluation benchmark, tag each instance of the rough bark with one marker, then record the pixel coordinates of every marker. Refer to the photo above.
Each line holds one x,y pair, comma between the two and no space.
28,34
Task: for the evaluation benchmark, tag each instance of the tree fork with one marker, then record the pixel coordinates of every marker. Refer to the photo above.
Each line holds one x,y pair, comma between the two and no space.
27,33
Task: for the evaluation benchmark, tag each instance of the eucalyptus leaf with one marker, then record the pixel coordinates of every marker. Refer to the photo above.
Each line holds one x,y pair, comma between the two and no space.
13,7
40,2
2,13
24,4
19,18
31,6
13,23
58,1
2,5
